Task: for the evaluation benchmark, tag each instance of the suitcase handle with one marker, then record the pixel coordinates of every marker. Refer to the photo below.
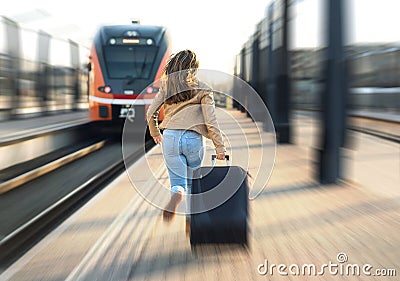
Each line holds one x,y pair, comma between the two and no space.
213,157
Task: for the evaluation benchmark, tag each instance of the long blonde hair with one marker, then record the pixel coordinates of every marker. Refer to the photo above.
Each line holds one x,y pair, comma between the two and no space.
180,77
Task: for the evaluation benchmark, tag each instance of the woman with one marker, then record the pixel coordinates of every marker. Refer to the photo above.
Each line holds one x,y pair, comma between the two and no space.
189,114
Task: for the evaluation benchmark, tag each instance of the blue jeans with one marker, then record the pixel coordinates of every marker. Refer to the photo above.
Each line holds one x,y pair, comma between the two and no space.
183,152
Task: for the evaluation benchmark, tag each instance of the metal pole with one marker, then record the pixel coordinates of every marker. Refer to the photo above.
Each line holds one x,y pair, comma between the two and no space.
42,83
282,81
278,91
234,90
270,87
334,96
241,97
255,70
75,64
13,51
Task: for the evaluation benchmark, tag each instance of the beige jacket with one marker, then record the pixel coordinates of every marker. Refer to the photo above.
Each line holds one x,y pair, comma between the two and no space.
197,114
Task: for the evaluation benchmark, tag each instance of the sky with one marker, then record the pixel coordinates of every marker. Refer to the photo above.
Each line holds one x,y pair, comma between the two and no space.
214,29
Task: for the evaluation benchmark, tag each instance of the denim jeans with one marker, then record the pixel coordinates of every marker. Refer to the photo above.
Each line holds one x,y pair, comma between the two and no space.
183,152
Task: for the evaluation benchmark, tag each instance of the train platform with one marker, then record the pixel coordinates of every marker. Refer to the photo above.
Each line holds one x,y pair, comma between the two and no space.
293,222
20,128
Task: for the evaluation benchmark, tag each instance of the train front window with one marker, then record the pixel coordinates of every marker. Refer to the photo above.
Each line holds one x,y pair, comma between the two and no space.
132,62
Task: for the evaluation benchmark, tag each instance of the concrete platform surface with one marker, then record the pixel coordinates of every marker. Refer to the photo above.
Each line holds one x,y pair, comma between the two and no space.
299,230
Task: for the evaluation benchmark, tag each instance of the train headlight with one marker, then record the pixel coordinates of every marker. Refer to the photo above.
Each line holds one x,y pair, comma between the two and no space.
149,41
107,89
149,90
113,41
132,33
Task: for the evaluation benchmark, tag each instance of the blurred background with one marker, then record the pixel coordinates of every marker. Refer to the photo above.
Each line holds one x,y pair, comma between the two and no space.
370,39
328,72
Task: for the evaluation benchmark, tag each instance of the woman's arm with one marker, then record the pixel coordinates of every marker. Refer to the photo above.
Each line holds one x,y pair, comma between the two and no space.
208,109
152,114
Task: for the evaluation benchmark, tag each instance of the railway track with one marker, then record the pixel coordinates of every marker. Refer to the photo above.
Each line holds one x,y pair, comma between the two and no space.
383,135
36,201
378,127
384,129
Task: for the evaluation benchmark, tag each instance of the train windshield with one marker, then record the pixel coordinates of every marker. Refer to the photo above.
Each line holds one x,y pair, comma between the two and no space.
129,61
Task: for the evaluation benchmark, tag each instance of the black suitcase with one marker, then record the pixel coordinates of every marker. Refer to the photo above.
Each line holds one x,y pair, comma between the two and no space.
221,223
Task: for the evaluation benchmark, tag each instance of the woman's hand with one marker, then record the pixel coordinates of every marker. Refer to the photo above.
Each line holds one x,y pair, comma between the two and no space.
158,139
220,156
